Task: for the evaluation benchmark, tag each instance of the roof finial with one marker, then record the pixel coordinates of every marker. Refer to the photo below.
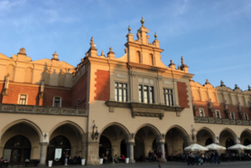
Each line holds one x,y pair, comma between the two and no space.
207,82
182,60
102,53
249,88
222,83
142,21
129,29
55,56
155,35
236,87
92,43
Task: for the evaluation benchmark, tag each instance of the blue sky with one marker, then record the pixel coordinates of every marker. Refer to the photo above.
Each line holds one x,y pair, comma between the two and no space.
213,36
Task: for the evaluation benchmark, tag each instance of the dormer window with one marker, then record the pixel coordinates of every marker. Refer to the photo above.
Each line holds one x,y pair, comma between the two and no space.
232,116
57,101
202,114
22,99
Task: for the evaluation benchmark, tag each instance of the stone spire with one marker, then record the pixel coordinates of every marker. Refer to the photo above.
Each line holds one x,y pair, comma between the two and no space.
172,65
142,33
92,52
156,42
183,66
55,56
110,54
102,53
129,35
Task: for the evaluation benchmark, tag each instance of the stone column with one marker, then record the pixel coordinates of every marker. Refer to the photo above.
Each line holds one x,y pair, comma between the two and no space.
93,153
130,152
162,148
43,154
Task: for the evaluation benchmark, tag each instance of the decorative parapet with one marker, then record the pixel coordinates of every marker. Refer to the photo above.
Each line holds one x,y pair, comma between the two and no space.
28,109
225,121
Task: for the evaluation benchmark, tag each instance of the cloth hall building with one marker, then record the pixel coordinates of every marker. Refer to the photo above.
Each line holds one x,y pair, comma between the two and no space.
106,105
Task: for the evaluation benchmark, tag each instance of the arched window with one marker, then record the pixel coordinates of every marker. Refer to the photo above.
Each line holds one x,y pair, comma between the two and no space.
151,59
138,57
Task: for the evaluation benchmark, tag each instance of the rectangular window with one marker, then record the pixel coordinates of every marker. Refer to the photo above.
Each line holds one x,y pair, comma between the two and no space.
232,115
151,95
202,114
168,97
57,102
121,92
23,99
246,116
146,94
140,93
217,112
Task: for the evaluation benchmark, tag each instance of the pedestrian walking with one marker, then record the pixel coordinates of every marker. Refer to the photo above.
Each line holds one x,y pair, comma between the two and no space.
159,155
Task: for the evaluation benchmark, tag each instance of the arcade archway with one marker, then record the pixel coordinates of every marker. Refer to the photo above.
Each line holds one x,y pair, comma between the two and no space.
205,137
20,141
144,139
176,140
18,149
113,140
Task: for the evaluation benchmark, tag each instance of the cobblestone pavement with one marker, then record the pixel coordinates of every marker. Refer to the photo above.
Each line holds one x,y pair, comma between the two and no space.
237,164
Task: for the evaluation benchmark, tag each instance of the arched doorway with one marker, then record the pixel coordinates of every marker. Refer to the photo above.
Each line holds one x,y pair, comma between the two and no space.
57,147
105,147
17,149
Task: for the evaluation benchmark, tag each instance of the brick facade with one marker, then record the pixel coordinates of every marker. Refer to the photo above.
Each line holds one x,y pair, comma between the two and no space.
102,85
79,94
15,90
49,93
183,94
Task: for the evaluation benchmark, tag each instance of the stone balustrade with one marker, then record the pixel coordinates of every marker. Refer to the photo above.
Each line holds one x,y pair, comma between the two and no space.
225,121
29,109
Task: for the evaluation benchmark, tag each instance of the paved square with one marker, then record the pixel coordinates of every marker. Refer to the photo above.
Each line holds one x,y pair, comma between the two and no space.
239,164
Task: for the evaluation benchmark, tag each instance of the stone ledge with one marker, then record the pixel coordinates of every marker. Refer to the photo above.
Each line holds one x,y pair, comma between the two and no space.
29,109
146,110
225,121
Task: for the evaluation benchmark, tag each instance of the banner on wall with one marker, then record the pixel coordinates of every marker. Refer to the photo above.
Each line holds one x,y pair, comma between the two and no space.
58,153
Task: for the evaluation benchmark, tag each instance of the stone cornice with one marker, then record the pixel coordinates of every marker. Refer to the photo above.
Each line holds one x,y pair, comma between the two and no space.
225,121
145,67
42,110
140,45
146,110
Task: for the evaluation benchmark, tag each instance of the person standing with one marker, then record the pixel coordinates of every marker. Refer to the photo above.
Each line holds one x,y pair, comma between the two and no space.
159,155
216,157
